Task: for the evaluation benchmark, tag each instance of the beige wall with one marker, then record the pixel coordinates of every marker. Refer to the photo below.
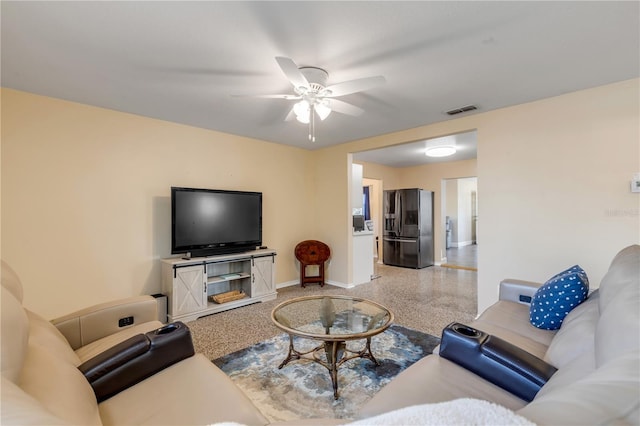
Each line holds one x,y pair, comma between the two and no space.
553,185
86,196
553,182
85,191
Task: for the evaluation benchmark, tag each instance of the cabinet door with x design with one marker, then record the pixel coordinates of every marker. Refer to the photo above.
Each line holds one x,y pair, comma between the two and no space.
262,279
189,291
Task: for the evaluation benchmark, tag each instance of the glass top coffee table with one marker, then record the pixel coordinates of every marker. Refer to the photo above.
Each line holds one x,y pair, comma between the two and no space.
333,320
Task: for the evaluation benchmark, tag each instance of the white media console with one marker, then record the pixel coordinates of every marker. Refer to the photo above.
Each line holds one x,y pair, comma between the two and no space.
190,284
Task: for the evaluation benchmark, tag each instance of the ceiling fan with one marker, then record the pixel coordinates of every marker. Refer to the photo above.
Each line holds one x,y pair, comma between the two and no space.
315,97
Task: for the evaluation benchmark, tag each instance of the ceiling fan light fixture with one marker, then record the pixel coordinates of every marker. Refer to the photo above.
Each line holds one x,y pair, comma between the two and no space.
440,148
323,110
302,111
315,97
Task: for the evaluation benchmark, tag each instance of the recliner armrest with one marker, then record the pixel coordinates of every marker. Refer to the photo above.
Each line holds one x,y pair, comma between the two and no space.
115,357
95,322
495,360
137,358
518,291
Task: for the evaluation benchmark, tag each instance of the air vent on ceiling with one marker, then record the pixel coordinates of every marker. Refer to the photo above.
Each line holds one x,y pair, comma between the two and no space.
461,109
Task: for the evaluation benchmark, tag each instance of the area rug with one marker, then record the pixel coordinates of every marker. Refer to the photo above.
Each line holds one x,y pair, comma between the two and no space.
303,389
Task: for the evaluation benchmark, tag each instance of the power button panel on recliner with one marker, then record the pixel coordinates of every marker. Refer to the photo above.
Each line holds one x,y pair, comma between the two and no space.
123,322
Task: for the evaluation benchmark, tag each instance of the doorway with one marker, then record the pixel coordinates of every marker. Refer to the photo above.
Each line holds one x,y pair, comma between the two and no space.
460,212
405,166
373,189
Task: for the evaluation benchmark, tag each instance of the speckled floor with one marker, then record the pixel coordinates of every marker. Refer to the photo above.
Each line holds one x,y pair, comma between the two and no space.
425,299
466,256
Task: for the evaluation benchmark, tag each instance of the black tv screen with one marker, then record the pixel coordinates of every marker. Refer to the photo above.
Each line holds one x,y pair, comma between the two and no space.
209,221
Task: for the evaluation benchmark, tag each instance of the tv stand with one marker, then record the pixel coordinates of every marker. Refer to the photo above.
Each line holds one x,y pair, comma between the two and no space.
191,284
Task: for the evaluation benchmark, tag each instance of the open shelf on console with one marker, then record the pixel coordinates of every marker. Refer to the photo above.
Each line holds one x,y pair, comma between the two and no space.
227,277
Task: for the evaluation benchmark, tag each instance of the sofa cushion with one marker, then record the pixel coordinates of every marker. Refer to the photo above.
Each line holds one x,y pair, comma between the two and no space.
506,333
618,329
514,317
19,408
193,391
96,347
623,272
607,396
15,336
11,281
59,386
557,297
435,379
45,334
576,335
95,322
577,369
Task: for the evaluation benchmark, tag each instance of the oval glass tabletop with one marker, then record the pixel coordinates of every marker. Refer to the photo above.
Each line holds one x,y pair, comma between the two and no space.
332,318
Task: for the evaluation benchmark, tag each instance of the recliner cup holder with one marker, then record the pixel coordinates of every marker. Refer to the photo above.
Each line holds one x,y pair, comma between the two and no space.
466,330
137,358
495,360
169,328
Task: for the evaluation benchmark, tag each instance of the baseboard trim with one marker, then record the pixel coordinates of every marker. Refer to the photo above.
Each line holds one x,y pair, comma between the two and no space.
461,244
341,285
287,284
330,282
466,268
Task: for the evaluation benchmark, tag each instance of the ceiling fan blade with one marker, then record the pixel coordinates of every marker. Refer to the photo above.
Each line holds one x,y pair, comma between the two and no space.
344,108
290,69
286,97
291,116
353,86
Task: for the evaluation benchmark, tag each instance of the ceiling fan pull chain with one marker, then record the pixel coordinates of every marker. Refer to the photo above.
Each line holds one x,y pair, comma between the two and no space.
312,124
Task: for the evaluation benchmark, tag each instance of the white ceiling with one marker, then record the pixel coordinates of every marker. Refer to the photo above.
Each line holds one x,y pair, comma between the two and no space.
183,61
413,153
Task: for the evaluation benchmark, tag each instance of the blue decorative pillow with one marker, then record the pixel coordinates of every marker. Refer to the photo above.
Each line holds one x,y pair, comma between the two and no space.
557,297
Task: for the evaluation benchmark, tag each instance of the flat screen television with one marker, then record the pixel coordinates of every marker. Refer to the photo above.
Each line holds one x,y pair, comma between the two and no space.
207,222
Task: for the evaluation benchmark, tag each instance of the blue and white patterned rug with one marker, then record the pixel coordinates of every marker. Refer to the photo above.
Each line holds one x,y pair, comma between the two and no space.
303,389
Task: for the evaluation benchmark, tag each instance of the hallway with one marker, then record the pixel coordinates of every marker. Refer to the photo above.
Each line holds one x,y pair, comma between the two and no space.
462,257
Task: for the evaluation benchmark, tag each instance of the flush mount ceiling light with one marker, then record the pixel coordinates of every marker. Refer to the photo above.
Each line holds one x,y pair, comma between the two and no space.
442,147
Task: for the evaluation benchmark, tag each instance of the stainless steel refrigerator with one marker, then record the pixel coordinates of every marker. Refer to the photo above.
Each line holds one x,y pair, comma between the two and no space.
408,228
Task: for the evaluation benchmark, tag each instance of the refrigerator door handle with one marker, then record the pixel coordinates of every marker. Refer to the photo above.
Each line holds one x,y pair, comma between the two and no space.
401,240
396,213
399,210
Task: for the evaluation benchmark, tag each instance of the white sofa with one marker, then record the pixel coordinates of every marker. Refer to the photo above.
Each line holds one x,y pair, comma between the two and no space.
41,384
596,351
